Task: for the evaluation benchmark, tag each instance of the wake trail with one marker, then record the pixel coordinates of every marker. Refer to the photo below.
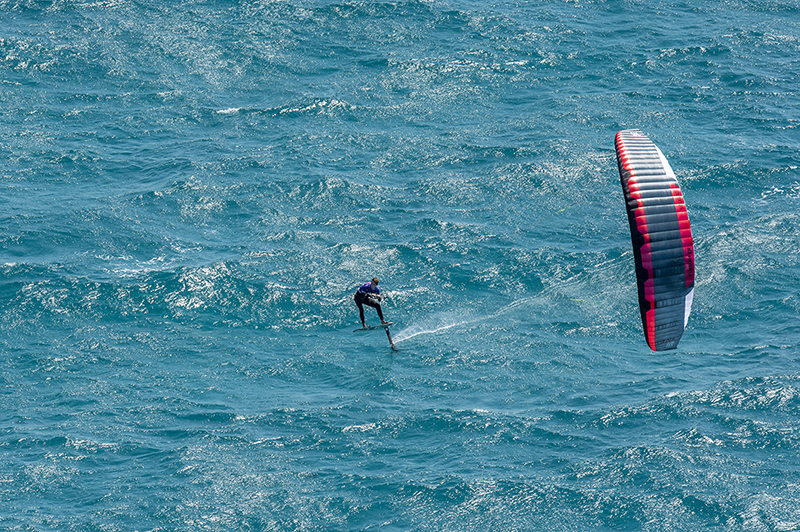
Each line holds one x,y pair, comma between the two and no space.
417,330
448,321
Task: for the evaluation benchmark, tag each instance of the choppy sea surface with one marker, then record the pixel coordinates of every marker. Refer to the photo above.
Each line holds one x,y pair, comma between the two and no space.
192,191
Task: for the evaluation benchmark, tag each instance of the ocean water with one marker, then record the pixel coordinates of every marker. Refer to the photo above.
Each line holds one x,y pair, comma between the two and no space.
192,192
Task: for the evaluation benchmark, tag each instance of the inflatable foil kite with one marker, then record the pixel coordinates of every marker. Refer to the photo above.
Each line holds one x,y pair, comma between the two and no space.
662,239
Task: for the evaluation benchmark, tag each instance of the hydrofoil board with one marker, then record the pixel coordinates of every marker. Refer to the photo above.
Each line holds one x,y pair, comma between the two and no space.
371,327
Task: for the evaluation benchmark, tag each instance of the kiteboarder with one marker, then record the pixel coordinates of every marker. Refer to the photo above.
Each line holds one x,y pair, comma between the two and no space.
369,294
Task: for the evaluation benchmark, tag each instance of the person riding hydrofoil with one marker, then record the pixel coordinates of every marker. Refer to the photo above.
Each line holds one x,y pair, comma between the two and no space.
369,294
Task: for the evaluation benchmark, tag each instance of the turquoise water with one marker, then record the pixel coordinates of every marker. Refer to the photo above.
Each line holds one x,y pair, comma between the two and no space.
191,194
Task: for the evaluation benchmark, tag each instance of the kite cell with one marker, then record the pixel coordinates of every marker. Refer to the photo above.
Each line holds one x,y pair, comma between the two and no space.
662,239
